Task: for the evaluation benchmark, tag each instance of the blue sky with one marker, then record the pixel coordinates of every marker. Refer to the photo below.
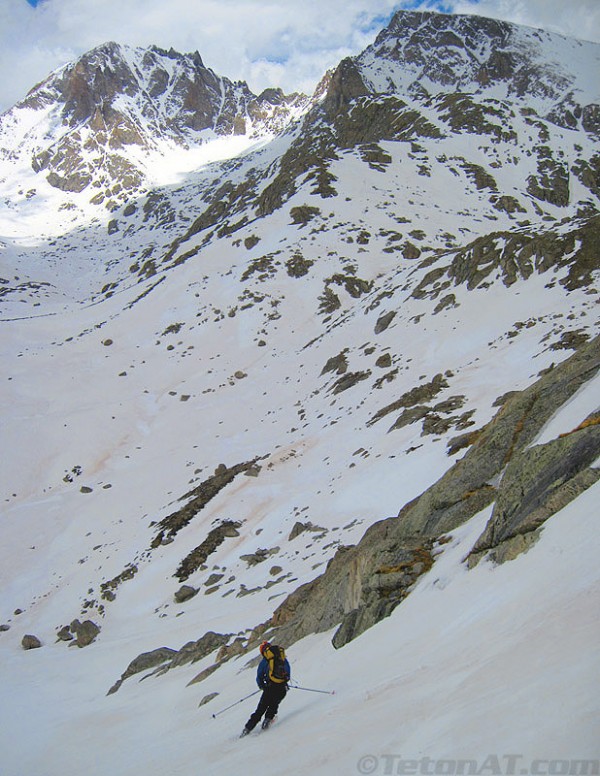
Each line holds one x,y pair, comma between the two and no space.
287,43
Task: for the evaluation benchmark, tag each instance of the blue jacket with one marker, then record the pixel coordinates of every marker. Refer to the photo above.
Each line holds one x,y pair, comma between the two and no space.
262,673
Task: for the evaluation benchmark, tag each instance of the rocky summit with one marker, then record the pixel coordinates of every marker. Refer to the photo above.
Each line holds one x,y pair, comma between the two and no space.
117,101
320,370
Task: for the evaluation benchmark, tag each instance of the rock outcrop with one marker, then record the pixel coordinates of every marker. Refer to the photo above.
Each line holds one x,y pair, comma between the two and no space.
364,583
85,633
144,662
165,658
537,482
184,593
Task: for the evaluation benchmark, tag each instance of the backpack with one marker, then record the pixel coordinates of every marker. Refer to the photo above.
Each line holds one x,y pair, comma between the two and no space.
275,657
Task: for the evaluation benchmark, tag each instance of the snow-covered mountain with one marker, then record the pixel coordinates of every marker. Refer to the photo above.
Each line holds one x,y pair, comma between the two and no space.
100,124
421,53
323,370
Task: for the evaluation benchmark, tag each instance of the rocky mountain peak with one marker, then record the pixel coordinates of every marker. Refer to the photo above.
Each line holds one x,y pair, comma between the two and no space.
425,53
116,97
89,88
174,91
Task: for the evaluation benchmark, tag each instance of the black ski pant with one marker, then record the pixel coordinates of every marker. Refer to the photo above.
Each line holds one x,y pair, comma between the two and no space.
268,704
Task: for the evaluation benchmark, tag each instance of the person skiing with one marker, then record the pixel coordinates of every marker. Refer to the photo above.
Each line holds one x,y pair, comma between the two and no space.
272,676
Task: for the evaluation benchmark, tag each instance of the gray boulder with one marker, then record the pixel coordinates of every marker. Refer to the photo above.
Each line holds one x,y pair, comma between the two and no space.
85,632
184,593
208,698
30,642
64,634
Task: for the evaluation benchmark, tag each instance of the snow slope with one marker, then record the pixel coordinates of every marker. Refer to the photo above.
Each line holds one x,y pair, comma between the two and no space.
494,660
473,664
144,347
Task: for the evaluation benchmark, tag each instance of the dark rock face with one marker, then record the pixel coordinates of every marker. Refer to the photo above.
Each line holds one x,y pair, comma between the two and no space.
518,255
89,88
468,53
345,85
537,483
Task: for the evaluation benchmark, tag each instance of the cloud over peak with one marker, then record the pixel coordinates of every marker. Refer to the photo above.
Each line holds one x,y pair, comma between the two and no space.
264,42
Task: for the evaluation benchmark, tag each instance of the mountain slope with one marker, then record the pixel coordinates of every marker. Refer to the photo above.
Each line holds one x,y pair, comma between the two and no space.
261,379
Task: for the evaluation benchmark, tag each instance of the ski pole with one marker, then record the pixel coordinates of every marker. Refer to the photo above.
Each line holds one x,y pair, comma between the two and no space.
310,689
236,703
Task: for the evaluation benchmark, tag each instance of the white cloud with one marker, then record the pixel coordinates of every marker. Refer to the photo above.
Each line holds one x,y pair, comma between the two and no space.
293,41
287,43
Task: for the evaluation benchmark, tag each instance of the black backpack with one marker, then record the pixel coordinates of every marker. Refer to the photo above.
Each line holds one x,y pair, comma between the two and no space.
275,657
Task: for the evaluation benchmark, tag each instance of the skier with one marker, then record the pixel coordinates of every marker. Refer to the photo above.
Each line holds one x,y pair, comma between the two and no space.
272,677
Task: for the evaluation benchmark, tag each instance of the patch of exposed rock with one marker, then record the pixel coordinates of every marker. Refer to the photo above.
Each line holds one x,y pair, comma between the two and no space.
79,634
207,698
261,555
184,593
299,528
417,395
164,658
198,499
337,364
85,633
143,662
516,255
196,558
537,483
